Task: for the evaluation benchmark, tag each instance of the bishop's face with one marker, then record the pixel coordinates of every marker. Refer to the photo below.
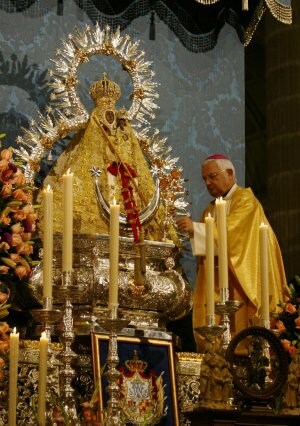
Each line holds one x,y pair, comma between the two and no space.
218,182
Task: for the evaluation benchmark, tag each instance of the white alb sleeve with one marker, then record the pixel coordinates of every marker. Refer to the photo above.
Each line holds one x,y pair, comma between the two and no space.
198,240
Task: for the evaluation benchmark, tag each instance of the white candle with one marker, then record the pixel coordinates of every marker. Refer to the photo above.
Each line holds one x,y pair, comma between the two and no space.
222,242
13,377
67,250
114,254
209,269
264,272
47,242
42,386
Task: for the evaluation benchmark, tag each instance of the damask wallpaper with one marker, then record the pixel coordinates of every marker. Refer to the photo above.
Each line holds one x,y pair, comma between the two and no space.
201,95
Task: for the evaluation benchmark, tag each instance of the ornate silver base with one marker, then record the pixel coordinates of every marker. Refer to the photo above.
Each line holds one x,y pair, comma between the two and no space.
227,308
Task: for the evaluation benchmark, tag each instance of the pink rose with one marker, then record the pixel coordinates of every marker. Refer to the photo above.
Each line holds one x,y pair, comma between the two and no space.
290,308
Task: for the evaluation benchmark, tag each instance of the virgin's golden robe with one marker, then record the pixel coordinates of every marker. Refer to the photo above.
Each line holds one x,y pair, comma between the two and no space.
90,148
243,221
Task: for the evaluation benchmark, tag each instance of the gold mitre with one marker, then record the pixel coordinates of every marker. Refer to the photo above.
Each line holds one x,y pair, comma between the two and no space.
105,90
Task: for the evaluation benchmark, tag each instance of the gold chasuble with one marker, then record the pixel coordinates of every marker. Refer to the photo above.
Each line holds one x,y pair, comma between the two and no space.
244,217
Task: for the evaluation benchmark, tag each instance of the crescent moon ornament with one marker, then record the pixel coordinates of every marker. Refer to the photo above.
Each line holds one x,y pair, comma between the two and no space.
145,215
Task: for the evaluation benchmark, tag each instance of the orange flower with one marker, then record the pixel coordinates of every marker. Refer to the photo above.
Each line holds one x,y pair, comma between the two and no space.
6,190
290,308
4,345
4,329
3,297
17,228
280,325
25,249
20,195
297,322
3,164
292,350
4,269
286,344
19,178
16,240
6,154
21,271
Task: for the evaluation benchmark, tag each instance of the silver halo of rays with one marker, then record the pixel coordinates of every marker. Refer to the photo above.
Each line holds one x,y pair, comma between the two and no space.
67,113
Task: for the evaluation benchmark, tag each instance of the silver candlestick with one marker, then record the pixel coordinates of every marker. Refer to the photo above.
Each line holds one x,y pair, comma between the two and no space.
65,292
226,308
113,324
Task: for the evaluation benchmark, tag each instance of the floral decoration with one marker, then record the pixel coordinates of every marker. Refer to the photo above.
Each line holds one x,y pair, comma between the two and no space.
4,347
287,322
17,223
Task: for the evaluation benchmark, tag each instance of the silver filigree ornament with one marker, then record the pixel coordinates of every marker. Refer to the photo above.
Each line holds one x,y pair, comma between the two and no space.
67,113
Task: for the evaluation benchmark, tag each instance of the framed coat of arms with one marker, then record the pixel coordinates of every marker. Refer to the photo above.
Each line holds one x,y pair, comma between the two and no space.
147,380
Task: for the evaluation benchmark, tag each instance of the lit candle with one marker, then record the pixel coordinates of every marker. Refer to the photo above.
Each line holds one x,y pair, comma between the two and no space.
67,250
209,269
264,273
13,377
114,254
47,242
42,386
222,242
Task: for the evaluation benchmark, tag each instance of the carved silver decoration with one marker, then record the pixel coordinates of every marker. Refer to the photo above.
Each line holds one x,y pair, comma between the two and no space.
164,295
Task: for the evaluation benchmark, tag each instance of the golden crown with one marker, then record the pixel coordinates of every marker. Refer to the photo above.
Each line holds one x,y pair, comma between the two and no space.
105,89
136,364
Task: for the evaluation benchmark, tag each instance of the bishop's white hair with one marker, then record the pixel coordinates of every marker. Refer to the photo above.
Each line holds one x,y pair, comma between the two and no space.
223,164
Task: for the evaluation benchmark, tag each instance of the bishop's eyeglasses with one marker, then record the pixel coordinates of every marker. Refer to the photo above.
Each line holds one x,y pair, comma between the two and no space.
213,176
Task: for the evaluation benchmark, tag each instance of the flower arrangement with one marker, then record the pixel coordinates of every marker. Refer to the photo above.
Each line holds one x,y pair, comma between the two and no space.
17,223
287,322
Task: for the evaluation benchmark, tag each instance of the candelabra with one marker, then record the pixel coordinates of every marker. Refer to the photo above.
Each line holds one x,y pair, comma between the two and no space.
226,308
113,325
65,292
211,331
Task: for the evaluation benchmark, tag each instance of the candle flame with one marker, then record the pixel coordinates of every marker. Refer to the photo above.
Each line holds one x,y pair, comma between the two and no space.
48,188
43,335
209,215
14,330
68,171
114,201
